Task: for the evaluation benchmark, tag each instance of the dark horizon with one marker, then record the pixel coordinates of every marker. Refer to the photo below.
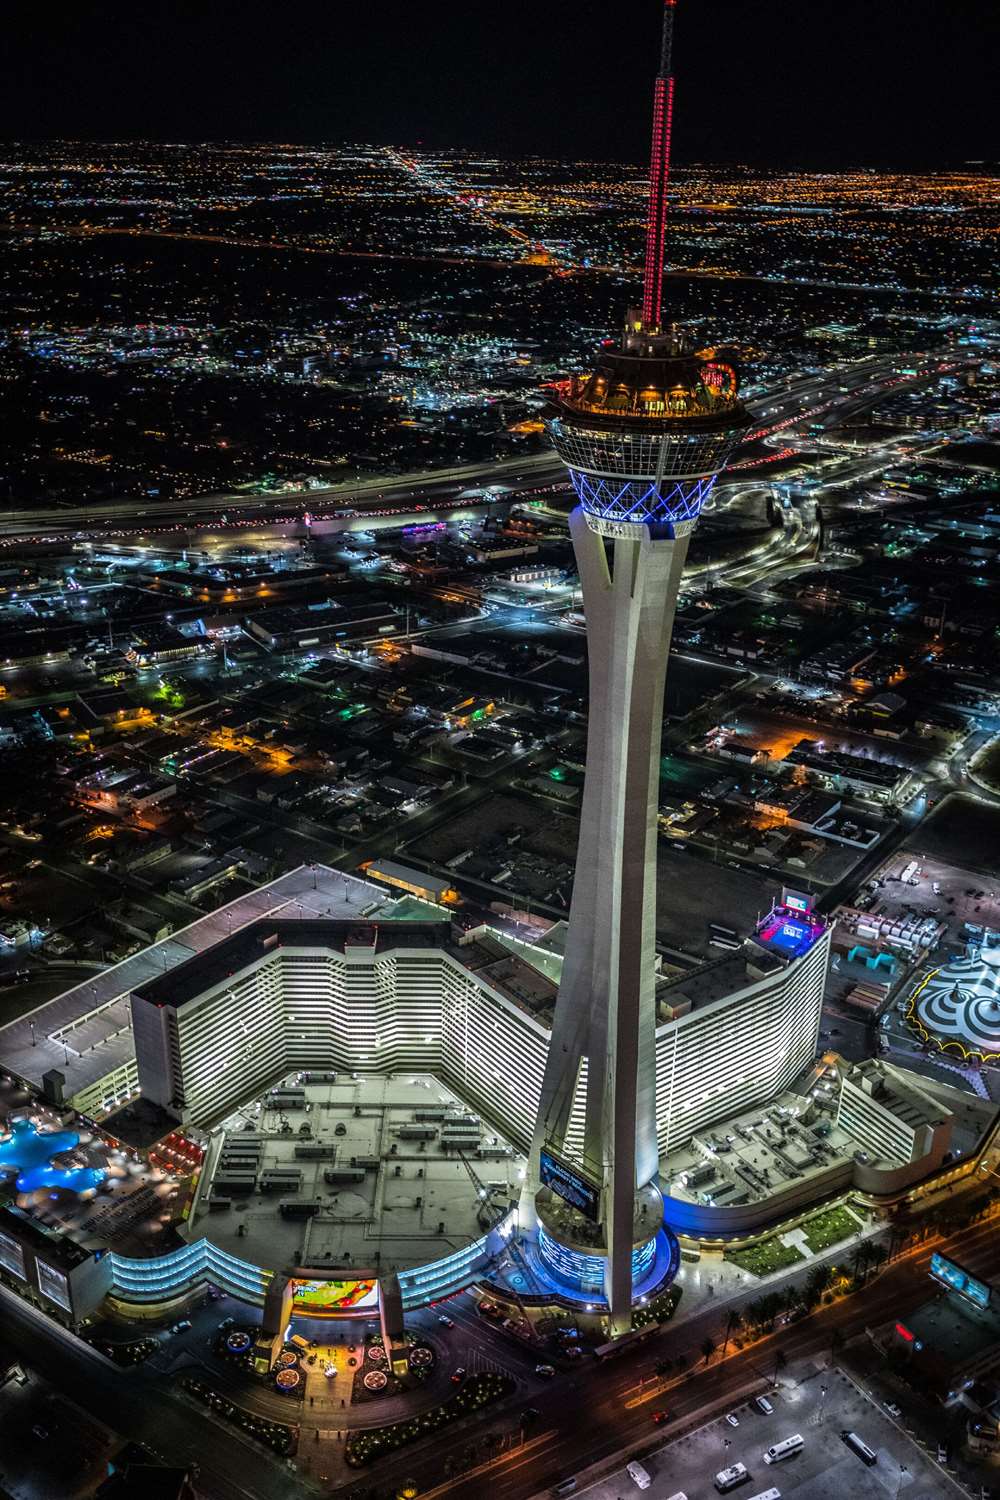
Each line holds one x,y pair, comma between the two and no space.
838,88
989,168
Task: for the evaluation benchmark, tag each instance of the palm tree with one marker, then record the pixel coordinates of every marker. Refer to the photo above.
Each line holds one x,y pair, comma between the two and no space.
791,1297
877,1257
707,1348
733,1322
752,1313
817,1281
860,1262
771,1306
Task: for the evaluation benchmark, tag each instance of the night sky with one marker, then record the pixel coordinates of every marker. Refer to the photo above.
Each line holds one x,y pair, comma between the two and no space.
909,83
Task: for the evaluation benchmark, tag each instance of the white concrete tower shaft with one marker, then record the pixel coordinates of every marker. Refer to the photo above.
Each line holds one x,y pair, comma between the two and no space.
606,1009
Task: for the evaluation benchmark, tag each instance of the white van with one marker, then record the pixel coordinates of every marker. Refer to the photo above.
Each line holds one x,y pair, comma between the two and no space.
638,1473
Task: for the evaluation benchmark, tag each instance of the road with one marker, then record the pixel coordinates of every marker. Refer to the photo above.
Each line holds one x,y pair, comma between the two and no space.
584,1416
603,1410
526,262
382,496
390,501
145,1412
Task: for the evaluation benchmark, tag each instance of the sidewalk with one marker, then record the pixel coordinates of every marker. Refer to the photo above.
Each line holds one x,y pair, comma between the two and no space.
716,1283
710,1282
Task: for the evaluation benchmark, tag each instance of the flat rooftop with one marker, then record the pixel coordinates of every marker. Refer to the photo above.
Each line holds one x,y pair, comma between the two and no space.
710,981
269,935
414,1202
954,1328
757,1154
519,980
86,1033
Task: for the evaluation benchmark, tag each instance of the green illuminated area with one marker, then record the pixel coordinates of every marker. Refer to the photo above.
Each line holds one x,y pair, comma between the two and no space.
765,1258
169,694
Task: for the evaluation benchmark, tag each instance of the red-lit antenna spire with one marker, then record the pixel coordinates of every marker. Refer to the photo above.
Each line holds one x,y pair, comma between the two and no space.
659,176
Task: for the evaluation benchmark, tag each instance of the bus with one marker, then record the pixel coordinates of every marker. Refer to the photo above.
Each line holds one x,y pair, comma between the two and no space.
787,1448
860,1447
728,1479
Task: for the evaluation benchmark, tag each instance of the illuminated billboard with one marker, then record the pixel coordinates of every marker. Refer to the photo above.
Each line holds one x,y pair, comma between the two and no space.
796,900
956,1280
318,1299
576,1190
54,1284
12,1256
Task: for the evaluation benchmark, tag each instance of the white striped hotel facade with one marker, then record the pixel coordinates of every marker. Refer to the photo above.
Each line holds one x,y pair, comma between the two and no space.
421,1009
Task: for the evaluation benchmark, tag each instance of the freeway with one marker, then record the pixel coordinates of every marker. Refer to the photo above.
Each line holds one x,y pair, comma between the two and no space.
530,261
396,502
347,500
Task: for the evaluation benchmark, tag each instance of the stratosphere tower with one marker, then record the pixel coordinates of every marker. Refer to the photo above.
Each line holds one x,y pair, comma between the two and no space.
643,437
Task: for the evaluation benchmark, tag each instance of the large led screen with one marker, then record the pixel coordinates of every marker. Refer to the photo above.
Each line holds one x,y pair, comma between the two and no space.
576,1190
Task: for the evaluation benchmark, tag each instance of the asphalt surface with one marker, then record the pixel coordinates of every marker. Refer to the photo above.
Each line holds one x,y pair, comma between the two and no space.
145,1411
602,1410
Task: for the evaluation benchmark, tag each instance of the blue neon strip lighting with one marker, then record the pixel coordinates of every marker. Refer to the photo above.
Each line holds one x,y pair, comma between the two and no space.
164,1276
587,1271
638,501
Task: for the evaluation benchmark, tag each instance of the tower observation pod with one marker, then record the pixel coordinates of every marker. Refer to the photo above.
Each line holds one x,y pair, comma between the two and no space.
643,436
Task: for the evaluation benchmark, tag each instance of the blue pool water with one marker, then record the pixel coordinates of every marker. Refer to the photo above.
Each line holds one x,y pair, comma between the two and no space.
29,1152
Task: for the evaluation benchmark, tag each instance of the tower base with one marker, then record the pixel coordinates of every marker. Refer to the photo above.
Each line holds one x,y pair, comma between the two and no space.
547,1273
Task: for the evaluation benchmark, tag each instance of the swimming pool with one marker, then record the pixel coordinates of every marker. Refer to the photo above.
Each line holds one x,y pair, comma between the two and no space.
29,1151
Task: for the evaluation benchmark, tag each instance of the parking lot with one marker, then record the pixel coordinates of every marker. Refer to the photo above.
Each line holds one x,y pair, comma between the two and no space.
953,895
816,1404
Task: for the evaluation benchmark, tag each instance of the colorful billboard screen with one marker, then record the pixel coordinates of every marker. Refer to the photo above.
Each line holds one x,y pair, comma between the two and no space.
957,1280
797,900
576,1190
320,1299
